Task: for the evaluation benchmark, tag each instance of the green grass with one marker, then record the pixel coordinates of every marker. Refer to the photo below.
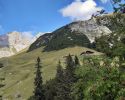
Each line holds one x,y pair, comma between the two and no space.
21,67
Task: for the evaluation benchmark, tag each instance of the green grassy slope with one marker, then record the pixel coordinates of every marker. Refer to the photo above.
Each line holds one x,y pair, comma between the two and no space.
20,70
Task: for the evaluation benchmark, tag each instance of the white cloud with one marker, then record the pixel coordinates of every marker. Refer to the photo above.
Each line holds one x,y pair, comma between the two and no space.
79,10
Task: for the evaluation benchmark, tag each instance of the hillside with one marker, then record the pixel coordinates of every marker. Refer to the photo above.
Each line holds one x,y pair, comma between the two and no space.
20,69
81,33
60,39
41,41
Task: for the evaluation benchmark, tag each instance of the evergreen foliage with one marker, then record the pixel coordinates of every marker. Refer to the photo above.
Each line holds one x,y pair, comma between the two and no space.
38,91
99,78
59,74
60,85
50,89
69,71
67,80
60,88
41,41
112,45
60,39
64,37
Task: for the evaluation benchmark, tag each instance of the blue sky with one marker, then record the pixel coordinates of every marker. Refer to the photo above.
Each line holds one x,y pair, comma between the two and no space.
38,15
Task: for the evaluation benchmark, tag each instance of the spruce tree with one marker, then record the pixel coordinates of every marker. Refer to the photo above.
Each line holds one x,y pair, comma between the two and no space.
60,86
70,67
77,61
38,91
59,73
69,77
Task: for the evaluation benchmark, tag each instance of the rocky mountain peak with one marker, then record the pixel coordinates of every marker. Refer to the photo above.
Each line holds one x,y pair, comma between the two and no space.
90,28
12,43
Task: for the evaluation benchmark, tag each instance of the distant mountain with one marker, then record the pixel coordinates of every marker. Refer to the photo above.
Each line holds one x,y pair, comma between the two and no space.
3,40
12,43
81,33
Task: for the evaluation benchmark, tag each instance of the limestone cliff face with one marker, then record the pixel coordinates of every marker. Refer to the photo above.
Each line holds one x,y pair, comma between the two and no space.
12,43
18,41
90,28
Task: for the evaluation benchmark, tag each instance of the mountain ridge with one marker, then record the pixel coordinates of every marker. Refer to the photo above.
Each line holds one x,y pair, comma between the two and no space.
89,30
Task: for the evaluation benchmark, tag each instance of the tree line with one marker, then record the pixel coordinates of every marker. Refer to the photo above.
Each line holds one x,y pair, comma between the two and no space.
99,78
58,88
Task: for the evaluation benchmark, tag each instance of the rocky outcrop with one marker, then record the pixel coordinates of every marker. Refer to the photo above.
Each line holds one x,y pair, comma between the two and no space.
90,28
12,43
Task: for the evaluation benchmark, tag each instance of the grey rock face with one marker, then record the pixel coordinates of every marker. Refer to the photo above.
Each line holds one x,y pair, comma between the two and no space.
90,28
12,43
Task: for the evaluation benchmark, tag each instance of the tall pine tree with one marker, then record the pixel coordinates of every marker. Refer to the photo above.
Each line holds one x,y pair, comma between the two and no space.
70,67
59,73
60,86
38,91
69,78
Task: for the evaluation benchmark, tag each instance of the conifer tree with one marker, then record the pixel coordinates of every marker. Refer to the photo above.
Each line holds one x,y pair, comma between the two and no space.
69,77
38,91
77,61
59,73
60,85
70,67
